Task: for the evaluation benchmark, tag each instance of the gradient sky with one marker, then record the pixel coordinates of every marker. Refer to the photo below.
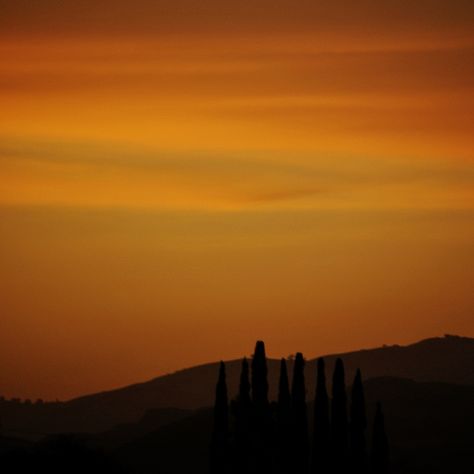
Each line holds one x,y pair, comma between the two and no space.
180,178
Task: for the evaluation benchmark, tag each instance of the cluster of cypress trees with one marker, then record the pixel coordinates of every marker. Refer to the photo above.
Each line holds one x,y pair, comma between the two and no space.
264,437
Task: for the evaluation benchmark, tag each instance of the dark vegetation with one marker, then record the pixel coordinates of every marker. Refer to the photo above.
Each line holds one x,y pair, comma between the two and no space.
449,359
274,437
429,420
429,427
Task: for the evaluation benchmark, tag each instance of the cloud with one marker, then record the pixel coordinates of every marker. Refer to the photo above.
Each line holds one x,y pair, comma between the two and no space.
107,175
216,72
110,175
228,104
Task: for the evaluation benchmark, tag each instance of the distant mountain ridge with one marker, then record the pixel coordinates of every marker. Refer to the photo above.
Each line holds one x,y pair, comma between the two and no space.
448,359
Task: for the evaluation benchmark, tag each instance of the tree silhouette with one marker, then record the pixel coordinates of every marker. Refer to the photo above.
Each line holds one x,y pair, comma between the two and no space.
259,377
322,427
284,398
261,431
283,422
380,450
244,386
242,410
339,428
357,427
274,439
300,418
220,435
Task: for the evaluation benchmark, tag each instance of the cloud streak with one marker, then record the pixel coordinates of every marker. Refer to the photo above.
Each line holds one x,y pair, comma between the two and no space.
77,174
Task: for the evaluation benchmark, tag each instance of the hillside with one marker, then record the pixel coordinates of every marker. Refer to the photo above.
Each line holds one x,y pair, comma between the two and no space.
429,427
448,359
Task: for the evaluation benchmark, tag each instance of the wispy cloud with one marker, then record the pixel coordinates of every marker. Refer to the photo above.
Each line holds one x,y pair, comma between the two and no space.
101,175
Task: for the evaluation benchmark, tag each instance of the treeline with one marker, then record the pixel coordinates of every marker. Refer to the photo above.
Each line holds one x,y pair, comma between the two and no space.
26,401
252,435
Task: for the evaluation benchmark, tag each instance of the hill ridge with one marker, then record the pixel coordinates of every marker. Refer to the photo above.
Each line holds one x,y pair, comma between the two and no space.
447,359
230,361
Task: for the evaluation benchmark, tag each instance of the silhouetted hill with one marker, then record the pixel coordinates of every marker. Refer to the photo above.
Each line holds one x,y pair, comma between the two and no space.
430,427
150,422
71,454
180,447
448,359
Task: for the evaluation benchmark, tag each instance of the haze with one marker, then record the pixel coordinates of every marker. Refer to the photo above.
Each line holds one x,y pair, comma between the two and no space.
180,178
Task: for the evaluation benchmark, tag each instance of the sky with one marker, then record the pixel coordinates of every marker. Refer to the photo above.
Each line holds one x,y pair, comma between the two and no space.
181,178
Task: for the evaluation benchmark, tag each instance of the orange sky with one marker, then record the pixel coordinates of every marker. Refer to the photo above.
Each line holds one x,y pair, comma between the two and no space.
180,178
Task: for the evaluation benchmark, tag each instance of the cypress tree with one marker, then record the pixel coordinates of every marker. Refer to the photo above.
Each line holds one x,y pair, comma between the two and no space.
339,428
283,422
380,448
284,399
358,425
261,421
242,410
244,386
219,463
300,419
322,426
259,377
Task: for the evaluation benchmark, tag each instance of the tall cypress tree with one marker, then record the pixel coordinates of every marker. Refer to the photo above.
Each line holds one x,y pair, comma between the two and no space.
380,448
322,426
283,423
300,419
261,420
339,428
357,427
244,386
284,398
219,463
259,377
242,410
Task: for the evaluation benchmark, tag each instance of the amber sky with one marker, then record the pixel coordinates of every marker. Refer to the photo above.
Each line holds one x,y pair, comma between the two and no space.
179,178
